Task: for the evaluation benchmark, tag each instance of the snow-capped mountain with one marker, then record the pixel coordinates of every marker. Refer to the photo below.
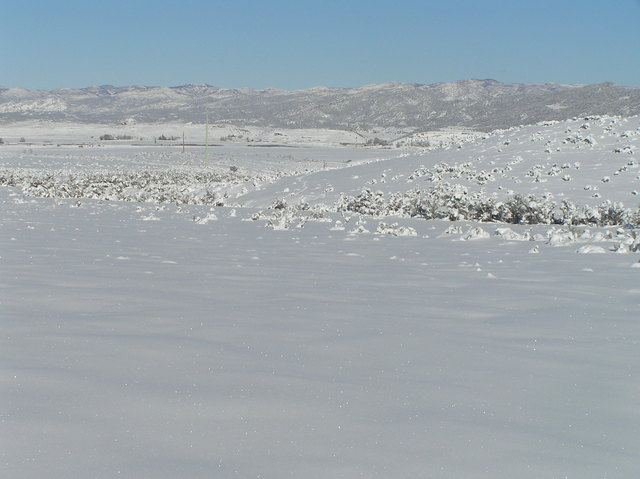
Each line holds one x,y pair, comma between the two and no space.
480,104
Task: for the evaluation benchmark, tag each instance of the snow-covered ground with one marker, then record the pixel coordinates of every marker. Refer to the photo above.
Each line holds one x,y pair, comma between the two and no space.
65,133
246,318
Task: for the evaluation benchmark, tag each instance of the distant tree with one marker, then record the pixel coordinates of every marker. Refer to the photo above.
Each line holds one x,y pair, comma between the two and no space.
377,142
1,141
22,140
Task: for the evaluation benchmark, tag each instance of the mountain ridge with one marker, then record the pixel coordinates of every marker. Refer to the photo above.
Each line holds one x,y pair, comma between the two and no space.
483,105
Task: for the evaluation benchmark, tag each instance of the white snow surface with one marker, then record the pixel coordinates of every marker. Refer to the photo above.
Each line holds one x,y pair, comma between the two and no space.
259,339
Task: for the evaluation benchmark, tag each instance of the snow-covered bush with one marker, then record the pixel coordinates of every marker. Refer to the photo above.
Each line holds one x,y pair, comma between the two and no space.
366,203
455,203
279,204
183,186
395,230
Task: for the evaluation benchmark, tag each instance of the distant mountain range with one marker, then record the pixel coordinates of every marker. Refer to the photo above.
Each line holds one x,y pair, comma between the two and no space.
483,105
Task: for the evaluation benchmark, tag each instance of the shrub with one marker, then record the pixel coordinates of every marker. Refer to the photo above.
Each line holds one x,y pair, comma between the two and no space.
453,202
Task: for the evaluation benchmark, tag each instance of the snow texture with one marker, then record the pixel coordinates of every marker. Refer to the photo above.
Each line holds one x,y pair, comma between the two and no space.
166,318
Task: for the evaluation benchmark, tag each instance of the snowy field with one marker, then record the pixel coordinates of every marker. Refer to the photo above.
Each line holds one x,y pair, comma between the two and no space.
309,310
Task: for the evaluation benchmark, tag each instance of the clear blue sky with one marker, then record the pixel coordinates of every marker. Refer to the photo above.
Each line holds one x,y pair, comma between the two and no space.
289,44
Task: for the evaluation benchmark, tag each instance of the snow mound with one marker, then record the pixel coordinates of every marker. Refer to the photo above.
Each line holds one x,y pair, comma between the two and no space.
395,230
475,233
509,234
591,249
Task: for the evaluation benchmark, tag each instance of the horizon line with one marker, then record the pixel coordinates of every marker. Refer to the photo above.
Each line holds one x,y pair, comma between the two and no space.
390,83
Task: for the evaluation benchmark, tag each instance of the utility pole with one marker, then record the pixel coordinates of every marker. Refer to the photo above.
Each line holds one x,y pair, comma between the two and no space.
206,134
